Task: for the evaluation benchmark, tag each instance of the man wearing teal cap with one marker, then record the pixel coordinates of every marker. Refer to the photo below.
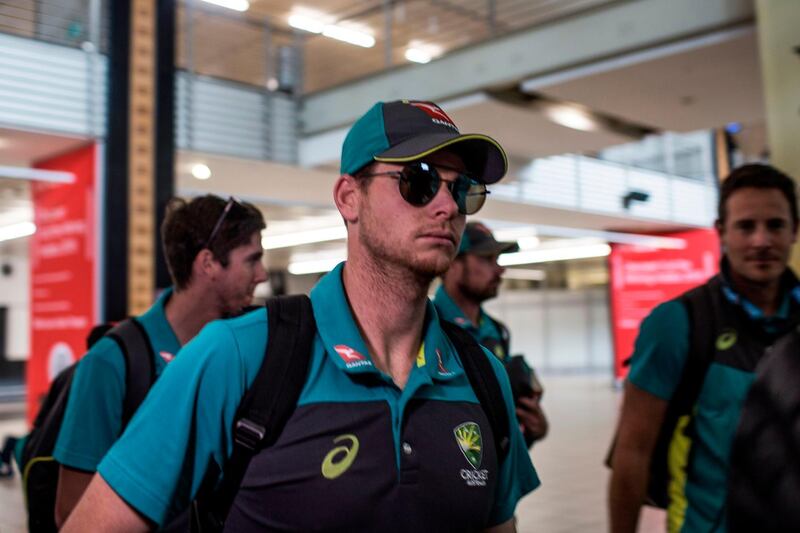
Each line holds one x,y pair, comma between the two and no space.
387,434
474,277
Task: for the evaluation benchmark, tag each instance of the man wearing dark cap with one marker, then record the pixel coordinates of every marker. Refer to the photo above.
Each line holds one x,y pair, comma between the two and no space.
388,434
474,277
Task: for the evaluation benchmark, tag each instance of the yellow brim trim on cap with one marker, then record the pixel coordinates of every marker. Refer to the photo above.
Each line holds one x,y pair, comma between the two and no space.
465,137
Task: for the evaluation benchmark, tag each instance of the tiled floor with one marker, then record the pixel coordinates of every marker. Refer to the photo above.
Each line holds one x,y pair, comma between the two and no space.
582,411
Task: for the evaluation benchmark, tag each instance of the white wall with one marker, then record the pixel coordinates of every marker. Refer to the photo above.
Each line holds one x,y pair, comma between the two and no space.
15,295
558,330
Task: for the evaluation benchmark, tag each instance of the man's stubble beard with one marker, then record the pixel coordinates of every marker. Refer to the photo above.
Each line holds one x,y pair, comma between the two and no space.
388,255
477,295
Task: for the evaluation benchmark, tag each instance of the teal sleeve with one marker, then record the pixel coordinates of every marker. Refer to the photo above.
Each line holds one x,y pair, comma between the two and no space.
184,424
517,474
661,349
93,417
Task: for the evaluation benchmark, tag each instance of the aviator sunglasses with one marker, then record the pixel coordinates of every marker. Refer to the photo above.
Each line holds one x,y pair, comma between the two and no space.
419,183
225,210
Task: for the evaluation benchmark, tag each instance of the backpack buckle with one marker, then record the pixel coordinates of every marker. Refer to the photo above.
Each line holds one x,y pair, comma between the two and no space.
248,433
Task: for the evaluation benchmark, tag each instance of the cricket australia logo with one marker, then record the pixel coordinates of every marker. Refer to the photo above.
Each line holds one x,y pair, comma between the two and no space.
468,436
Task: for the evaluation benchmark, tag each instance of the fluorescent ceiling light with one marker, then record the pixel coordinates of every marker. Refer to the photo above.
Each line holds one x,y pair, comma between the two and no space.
554,254
571,117
304,23
236,5
525,274
314,264
528,243
418,56
15,231
347,35
313,22
37,174
201,171
285,240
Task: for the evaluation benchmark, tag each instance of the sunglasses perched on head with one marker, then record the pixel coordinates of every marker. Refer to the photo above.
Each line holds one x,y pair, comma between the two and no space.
419,183
225,210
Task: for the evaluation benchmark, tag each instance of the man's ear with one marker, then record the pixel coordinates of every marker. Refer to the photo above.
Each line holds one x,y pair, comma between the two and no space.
347,195
719,227
204,264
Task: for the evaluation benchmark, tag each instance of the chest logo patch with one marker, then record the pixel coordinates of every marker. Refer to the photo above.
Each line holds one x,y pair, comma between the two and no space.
339,459
726,340
468,436
350,356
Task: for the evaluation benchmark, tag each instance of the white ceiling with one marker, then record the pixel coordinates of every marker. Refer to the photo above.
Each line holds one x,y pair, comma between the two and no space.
702,87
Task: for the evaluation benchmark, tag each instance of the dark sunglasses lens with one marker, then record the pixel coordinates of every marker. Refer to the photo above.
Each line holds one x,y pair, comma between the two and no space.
419,184
468,194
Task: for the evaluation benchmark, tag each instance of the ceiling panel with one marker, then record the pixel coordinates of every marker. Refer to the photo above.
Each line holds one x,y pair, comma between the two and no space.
701,88
527,133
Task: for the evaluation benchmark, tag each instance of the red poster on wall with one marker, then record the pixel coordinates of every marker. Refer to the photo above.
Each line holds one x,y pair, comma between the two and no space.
62,262
642,278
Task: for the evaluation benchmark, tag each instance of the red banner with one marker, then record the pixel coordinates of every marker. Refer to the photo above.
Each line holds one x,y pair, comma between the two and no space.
642,278
62,259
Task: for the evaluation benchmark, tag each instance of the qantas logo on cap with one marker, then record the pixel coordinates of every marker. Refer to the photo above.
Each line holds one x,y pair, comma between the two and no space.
435,112
351,357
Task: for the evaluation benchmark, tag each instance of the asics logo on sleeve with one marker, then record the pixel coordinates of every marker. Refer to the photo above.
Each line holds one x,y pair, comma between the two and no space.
339,459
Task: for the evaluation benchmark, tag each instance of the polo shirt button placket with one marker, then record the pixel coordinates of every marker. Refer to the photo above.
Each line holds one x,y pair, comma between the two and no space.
409,465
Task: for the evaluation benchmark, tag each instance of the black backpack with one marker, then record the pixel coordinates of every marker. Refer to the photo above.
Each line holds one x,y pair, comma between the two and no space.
39,469
764,469
269,403
699,310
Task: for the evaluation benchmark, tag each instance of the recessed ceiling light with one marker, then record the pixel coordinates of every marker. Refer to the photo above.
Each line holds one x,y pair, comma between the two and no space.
571,117
417,56
201,171
236,5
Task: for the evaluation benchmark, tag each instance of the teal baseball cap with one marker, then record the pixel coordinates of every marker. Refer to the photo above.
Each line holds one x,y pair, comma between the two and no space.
408,130
478,239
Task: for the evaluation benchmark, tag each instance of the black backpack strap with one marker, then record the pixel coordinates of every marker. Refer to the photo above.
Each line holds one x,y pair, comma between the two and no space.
140,371
484,383
268,404
700,312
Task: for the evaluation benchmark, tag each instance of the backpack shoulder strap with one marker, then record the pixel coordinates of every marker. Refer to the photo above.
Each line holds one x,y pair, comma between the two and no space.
140,372
699,304
269,402
484,383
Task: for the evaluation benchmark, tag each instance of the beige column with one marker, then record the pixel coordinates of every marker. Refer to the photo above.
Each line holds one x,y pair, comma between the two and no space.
141,153
779,47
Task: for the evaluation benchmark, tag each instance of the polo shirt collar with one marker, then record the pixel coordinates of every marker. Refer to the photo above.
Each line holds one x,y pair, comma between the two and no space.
345,346
450,311
789,286
158,328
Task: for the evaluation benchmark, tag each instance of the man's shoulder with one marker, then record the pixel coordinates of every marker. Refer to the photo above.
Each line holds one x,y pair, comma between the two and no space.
105,352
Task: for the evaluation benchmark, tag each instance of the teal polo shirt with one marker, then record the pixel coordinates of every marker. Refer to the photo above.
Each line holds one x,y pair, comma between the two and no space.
358,453
659,357
486,331
93,419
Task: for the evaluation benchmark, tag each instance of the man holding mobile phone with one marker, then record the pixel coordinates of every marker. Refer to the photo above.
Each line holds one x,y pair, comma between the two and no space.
474,277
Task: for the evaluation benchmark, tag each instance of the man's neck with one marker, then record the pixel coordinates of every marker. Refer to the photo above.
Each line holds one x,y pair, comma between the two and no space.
188,311
468,306
388,304
765,296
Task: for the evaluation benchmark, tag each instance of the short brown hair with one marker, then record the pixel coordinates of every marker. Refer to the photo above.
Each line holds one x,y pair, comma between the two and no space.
760,177
188,225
